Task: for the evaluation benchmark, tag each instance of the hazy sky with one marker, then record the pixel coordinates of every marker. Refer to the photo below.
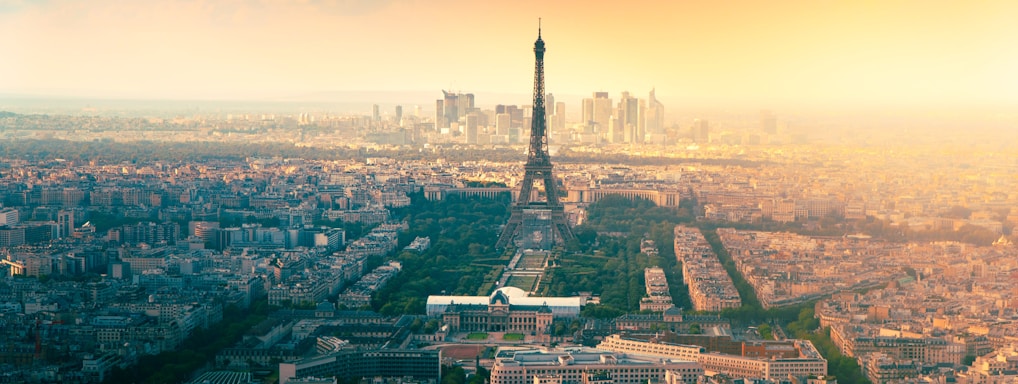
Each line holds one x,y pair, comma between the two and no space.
766,53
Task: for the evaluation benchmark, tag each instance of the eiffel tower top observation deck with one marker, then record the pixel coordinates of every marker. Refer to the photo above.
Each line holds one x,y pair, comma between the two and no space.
538,153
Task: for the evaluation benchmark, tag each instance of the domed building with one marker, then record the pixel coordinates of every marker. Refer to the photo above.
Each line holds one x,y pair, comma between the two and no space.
508,309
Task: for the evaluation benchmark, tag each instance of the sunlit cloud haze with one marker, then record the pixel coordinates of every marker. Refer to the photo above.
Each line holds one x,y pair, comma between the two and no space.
753,53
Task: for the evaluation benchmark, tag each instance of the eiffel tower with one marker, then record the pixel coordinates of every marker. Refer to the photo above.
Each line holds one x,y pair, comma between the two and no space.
538,167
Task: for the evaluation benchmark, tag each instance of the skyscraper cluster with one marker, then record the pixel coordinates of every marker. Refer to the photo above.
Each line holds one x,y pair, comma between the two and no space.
452,107
631,120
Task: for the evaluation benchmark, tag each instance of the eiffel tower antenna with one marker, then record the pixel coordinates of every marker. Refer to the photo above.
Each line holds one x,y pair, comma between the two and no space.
538,167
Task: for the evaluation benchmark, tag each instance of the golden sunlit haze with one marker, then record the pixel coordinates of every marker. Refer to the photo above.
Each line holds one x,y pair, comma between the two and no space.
821,53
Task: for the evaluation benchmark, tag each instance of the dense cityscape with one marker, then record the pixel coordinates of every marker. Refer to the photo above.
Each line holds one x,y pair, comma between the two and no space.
469,237
113,253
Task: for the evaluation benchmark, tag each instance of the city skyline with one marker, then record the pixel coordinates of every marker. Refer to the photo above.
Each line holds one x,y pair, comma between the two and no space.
808,54
212,191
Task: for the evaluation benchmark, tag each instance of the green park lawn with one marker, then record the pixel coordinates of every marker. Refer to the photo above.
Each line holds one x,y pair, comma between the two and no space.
512,336
477,336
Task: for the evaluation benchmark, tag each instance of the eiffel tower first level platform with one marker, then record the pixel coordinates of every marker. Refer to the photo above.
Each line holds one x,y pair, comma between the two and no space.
537,224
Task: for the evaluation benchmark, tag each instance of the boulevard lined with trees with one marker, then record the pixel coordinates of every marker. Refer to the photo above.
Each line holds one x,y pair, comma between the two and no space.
197,352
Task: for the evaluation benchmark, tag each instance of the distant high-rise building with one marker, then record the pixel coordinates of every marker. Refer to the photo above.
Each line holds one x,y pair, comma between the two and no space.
587,115
65,223
628,116
502,124
701,131
519,117
451,113
465,104
516,114
455,107
440,115
641,121
471,128
654,118
768,122
399,113
484,119
602,111
375,114
615,132
549,100
560,116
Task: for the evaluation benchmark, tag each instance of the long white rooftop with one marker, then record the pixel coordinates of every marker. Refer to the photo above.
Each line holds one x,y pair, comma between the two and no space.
560,306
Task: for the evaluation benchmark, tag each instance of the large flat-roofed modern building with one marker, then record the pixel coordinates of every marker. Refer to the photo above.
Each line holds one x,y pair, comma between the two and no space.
589,366
421,365
671,319
622,344
508,309
757,361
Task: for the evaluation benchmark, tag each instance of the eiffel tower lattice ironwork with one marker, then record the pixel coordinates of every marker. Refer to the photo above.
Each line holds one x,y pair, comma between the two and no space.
538,167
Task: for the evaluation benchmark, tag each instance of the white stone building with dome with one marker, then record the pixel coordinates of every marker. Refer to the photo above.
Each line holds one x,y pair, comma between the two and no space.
508,309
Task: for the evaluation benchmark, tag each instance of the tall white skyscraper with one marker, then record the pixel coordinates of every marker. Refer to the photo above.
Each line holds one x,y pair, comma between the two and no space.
701,131
602,111
560,116
503,121
629,119
471,128
654,118
440,121
452,107
549,117
587,115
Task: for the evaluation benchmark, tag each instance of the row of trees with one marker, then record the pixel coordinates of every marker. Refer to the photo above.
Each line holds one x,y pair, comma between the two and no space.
457,375
836,225
615,214
845,368
746,291
197,351
462,258
633,217
40,150
606,257
620,266
463,261
463,232
615,271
